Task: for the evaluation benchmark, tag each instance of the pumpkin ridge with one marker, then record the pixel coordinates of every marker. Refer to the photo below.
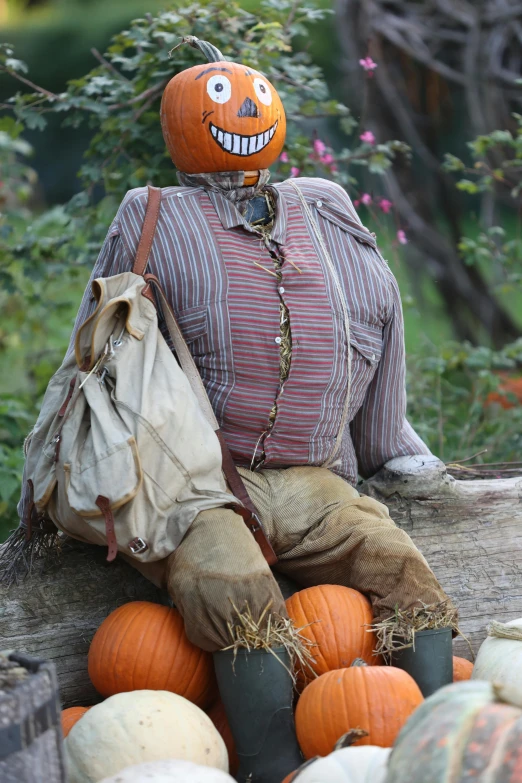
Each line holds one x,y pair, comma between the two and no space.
136,648
499,746
165,622
196,676
174,656
322,641
335,635
121,639
101,653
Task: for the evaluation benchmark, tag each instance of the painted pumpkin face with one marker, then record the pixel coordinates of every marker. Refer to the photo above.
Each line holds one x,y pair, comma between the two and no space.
222,116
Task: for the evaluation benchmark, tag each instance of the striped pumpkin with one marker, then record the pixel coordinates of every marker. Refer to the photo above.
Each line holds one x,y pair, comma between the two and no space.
460,727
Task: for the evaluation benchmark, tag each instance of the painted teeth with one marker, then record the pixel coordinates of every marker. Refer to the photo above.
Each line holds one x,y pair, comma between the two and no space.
242,145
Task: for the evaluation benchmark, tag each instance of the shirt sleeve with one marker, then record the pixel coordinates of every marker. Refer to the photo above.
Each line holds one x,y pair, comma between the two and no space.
380,430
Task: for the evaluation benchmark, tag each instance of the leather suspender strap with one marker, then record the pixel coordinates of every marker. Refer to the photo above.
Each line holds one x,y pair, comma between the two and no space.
247,511
147,232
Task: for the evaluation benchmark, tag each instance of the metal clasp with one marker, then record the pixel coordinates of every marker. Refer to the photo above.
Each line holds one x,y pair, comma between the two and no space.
138,545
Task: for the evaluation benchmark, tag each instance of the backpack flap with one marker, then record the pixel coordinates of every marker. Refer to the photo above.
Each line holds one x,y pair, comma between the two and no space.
102,453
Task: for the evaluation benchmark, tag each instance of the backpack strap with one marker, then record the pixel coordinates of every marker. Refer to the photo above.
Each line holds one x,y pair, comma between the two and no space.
247,510
148,231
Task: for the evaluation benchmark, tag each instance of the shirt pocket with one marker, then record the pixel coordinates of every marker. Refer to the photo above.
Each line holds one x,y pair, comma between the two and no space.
193,322
345,222
366,342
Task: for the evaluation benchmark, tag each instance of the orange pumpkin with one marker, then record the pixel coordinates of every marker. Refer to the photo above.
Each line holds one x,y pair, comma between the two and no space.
222,116
335,619
143,646
218,717
378,699
461,669
70,716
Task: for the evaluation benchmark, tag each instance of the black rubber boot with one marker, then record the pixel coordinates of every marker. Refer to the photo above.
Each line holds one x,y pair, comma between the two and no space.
257,691
431,662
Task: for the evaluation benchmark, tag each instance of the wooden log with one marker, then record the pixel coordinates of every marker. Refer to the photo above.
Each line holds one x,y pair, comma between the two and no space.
469,531
54,614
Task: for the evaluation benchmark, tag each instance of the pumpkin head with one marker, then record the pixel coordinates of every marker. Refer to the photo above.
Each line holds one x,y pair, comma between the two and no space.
142,645
335,620
377,699
222,116
70,716
462,669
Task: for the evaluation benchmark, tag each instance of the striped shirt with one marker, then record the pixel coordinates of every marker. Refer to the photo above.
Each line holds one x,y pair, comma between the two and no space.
219,277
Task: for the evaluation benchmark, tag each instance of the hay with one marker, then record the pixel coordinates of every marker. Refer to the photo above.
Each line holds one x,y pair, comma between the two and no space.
398,631
19,556
268,632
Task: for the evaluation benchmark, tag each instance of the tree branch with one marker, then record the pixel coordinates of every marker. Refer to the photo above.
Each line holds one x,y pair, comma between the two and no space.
29,83
106,64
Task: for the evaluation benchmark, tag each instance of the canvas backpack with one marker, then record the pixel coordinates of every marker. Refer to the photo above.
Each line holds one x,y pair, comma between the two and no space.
127,450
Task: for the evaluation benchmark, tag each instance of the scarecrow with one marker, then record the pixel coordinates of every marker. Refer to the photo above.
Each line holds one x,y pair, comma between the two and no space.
294,321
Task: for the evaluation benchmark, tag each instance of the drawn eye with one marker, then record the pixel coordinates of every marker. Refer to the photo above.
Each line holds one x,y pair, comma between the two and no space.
219,88
263,91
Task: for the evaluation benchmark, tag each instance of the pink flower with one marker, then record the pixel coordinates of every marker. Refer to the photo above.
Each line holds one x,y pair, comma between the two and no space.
401,236
368,64
294,171
356,202
385,205
367,137
319,147
283,157
366,199
327,159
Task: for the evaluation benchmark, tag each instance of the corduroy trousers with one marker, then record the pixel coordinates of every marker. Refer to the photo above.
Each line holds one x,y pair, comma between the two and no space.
323,532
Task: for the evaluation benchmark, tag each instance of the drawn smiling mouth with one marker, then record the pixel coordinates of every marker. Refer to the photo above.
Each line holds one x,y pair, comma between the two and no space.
236,144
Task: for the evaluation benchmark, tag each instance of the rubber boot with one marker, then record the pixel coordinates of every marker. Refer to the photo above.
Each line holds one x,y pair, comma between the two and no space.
257,691
431,662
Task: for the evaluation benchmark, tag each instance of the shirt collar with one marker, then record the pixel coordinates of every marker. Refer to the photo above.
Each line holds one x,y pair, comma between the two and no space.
225,190
231,217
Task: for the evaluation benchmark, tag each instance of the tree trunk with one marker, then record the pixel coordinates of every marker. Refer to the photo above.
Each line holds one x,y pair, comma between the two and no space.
469,531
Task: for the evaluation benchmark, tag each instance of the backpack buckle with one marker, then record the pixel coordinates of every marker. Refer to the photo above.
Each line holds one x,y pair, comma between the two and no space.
138,545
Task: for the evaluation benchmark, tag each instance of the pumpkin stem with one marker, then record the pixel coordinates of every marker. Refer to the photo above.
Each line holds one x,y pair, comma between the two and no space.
503,631
210,51
350,738
359,662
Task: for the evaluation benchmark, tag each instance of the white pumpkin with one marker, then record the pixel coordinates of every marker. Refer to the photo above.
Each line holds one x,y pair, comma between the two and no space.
360,764
169,772
499,658
138,726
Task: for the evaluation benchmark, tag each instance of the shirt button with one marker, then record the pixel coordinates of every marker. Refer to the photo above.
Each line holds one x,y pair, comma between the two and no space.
319,203
179,195
281,289
278,340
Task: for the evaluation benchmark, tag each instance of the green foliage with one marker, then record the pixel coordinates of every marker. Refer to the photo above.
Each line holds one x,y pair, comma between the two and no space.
120,99
497,162
448,388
